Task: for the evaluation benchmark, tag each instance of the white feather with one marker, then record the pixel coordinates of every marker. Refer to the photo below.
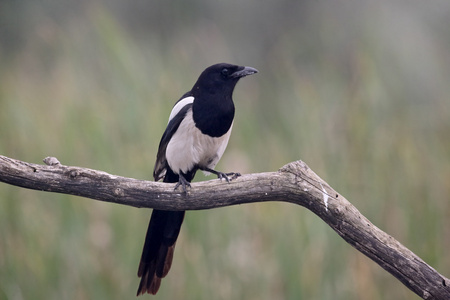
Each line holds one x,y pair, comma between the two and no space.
179,105
189,147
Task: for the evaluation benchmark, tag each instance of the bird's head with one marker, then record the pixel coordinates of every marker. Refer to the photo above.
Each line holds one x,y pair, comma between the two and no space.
220,77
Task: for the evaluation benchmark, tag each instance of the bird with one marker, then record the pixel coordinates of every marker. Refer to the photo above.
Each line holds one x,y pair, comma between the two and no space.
195,139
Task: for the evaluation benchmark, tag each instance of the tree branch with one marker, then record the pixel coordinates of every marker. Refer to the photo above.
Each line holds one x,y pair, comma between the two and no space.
295,183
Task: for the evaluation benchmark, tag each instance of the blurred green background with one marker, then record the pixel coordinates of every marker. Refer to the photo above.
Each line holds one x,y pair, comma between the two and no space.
359,90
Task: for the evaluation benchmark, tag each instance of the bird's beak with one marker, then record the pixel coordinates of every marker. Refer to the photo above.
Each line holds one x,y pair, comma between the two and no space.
244,72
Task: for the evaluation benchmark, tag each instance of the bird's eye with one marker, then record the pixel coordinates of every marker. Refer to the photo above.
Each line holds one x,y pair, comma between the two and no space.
225,72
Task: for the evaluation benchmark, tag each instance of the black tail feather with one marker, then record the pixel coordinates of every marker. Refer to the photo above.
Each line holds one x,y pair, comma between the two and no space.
162,234
157,254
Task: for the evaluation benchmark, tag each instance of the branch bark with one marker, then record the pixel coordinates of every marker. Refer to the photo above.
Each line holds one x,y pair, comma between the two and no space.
295,183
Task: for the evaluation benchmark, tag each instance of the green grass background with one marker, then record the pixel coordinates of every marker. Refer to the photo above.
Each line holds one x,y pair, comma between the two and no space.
358,90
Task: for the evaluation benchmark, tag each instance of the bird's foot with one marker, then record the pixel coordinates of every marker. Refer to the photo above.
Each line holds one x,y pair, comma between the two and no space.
183,183
228,176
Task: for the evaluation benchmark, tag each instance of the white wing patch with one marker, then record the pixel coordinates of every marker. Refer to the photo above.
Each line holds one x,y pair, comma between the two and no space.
179,105
189,146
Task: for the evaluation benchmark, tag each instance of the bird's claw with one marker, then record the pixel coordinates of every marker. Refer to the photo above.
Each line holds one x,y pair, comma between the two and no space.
225,176
183,183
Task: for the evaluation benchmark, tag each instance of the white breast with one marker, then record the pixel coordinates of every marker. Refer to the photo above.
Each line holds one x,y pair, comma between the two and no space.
189,147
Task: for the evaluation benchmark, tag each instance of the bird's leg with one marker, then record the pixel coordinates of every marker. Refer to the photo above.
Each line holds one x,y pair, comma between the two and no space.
222,175
183,182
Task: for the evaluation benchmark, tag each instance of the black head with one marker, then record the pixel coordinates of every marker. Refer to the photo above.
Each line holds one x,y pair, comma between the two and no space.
213,107
221,78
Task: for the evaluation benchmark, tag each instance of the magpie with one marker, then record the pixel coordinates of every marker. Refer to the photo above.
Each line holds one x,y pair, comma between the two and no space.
195,138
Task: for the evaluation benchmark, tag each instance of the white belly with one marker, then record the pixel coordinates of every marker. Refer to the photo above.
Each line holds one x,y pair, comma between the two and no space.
189,147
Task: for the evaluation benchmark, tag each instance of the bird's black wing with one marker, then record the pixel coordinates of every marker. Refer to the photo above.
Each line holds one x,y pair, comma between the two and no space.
161,162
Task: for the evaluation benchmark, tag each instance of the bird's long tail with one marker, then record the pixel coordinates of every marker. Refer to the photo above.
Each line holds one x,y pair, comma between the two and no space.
158,249
157,255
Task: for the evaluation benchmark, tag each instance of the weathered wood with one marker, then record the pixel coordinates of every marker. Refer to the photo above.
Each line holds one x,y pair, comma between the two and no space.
295,183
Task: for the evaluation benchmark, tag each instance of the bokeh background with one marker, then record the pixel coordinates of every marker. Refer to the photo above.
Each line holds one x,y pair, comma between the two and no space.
359,90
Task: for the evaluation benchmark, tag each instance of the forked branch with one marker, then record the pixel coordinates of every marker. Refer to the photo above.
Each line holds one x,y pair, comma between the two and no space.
295,183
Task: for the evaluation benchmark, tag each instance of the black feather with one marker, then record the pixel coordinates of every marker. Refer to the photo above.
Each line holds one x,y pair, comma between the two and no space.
161,161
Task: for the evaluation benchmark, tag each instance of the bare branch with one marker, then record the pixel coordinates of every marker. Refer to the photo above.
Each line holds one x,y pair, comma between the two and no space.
295,183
